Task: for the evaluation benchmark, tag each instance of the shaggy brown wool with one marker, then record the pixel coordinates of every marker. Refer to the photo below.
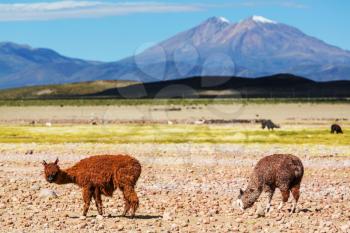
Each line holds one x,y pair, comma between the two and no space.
98,175
275,171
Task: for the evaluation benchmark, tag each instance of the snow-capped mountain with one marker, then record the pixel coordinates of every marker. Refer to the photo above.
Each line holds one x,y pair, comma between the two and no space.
253,47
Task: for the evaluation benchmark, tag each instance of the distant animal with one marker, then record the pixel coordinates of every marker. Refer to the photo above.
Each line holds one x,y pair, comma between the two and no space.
335,128
48,124
281,171
100,175
268,124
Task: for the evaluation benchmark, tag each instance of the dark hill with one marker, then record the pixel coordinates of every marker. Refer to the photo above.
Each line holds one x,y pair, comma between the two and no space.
276,86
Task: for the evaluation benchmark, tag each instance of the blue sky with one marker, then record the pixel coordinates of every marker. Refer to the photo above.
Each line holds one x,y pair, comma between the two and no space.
109,30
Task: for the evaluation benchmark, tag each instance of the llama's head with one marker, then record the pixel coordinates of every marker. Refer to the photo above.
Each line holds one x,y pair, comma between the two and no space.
51,171
247,198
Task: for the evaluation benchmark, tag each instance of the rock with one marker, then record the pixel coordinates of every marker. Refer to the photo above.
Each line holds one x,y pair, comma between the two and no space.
260,212
174,227
107,215
99,217
168,215
82,217
120,228
345,228
35,187
336,216
279,217
206,221
184,224
47,193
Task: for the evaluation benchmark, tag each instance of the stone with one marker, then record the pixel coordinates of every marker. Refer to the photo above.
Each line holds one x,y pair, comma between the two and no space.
260,212
345,227
35,187
168,215
47,193
174,227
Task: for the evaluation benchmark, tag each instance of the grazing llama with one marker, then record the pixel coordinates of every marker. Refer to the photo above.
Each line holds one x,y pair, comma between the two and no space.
268,124
275,171
99,175
335,128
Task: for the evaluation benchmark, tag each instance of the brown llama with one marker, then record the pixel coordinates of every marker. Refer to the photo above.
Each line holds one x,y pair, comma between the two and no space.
275,171
335,128
99,175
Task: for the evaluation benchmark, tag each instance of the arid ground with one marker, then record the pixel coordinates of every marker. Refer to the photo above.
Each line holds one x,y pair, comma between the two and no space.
186,187
291,112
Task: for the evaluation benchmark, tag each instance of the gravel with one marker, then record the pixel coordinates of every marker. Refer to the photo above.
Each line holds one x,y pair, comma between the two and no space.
183,187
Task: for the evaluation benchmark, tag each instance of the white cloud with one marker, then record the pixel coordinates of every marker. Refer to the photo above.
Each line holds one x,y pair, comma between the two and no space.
85,9
68,9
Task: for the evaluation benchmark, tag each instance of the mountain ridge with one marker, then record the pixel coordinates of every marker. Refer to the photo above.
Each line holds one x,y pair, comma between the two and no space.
253,47
250,48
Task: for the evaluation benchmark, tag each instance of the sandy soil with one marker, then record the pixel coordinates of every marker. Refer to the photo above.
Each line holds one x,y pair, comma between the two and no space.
277,112
183,187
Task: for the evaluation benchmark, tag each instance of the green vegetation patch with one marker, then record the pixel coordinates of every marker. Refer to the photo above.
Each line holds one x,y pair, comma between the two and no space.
60,91
160,133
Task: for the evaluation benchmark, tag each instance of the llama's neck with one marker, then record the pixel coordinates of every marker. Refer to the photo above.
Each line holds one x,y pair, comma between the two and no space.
253,191
65,177
251,197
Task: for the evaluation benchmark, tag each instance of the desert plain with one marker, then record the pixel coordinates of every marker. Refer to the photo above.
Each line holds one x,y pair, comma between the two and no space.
187,185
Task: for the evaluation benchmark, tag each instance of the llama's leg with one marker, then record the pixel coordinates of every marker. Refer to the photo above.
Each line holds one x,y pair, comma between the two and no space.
296,194
98,201
131,196
285,197
125,179
270,193
87,194
126,202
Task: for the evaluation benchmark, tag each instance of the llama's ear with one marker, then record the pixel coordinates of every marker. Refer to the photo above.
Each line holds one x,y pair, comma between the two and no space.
44,163
56,162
